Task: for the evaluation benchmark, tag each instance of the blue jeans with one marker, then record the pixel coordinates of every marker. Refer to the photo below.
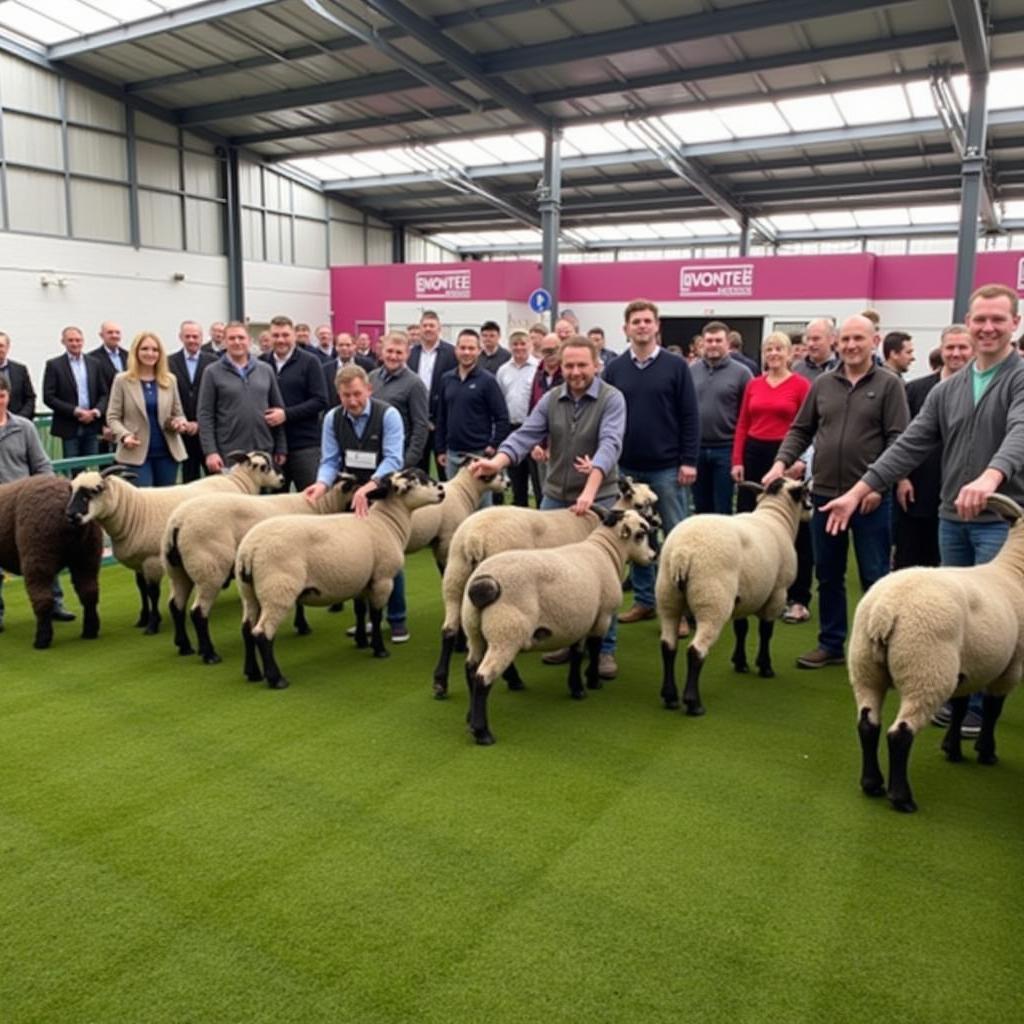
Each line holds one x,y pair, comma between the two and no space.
452,467
609,639
871,544
966,544
158,471
58,593
85,442
673,507
714,487
396,602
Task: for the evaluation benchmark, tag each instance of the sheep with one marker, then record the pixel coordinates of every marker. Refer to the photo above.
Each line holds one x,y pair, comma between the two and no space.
521,600
324,559
493,530
135,518
718,568
936,635
200,543
37,541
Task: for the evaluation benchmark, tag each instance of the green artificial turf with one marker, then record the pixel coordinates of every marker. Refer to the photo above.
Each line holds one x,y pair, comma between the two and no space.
180,845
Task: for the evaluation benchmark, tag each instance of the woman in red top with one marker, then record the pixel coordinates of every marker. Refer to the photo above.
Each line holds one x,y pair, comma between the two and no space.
770,404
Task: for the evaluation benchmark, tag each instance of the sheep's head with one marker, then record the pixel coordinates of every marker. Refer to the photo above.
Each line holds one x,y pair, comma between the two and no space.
259,465
87,493
412,487
634,530
497,483
795,491
640,496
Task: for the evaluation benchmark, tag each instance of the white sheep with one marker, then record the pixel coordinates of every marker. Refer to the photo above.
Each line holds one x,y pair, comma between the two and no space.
935,635
135,517
506,528
201,541
718,568
525,600
321,560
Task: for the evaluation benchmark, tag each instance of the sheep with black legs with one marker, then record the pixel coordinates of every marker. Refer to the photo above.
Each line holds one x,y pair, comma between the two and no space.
507,528
37,541
201,541
135,517
937,635
321,560
526,600
716,568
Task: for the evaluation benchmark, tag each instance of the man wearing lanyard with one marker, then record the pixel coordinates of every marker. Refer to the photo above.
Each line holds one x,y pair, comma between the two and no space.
364,437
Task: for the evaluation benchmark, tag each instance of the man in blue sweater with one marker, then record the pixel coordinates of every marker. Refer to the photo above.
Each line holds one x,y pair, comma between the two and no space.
662,430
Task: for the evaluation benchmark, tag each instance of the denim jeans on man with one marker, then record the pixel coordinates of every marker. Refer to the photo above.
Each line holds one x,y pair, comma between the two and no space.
85,442
673,507
452,467
872,538
58,594
713,489
609,639
158,471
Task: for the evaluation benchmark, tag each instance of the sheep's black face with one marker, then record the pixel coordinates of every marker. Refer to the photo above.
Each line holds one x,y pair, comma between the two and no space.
79,507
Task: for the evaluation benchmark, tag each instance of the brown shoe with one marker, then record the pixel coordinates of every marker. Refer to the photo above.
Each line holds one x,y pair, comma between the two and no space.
607,666
559,657
819,658
638,613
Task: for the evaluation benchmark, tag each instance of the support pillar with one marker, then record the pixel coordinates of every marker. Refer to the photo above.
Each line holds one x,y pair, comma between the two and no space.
398,244
973,181
233,235
549,203
745,236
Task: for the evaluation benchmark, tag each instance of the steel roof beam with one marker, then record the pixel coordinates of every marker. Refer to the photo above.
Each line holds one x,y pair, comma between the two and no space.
969,19
144,28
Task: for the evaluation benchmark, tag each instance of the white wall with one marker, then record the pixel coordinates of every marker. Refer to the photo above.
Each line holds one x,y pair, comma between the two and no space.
301,293
457,315
135,288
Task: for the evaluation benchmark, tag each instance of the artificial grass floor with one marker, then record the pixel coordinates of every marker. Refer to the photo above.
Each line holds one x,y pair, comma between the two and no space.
180,845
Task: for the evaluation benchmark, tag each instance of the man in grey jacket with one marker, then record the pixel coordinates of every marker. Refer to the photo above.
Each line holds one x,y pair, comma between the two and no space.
234,397
393,382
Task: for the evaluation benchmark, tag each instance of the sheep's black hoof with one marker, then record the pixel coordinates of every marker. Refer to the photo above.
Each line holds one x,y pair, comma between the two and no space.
142,620
211,659
671,705
278,684
382,653
952,751
41,644
578,694
988,758
440,689
152,628
254,677
483,737
905,805
92,635
766,673
184,650
362,644
303,630
694,709
872,787
740,666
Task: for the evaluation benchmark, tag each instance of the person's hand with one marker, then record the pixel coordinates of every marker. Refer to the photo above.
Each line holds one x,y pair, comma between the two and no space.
314,491
869,503
582,505
214,463
191,427
584,465
970,502
485,467
737,473
280,459
360,504
840,511
777,471
130,441
539,453
179,424
274,417
905,494
442,460
687,476
796,471
106,433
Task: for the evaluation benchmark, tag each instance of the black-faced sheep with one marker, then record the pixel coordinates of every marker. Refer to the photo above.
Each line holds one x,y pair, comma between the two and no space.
201,542
718,568
507,528
135,517
526,600
37,541
935,635
321,560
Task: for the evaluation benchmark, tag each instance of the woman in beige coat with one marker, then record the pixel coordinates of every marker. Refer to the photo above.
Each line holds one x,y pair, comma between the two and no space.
145,415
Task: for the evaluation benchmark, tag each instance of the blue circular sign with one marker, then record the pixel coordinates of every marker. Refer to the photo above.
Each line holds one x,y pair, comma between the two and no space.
539,300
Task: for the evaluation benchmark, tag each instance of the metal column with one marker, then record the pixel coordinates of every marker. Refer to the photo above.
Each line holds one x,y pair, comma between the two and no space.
973,171
745,236
398,244
549,203
233,235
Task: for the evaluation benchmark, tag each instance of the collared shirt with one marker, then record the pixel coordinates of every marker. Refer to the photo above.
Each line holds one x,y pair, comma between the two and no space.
279,363
428,356
242,371
535,430
516,383
115,358
81,372
392,456
192,364
642,363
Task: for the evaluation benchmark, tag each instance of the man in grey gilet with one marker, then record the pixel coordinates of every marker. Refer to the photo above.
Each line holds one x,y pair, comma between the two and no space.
583,421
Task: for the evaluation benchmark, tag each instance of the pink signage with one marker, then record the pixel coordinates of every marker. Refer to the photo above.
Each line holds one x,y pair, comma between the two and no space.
716,280
444,284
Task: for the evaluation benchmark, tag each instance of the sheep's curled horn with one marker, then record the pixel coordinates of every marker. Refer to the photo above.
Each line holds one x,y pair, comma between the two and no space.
116,470
1005,507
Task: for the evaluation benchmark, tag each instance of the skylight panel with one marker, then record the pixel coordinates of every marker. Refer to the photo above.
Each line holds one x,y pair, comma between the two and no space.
608,233
946,214
1005,89
79,17
674,229
791,222
833,220
507,149
595,138
1014,208
873,106
697,126
464,153
922,103
638,232
810,113
895,217
710,227
126,11
752,119
384,161
28,23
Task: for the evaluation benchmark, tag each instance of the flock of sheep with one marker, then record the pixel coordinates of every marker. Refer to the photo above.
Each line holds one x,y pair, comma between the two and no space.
518,579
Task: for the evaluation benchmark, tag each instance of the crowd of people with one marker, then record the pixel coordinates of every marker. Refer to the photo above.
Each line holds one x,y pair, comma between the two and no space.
903,468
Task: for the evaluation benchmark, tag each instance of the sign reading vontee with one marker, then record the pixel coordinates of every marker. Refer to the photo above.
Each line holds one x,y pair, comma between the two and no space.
443,284
716,279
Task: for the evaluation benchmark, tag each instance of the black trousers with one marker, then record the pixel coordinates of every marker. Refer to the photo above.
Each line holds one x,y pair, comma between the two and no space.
192,467
915,540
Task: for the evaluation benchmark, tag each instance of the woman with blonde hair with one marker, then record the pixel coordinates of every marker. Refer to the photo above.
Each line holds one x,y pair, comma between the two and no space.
145,414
